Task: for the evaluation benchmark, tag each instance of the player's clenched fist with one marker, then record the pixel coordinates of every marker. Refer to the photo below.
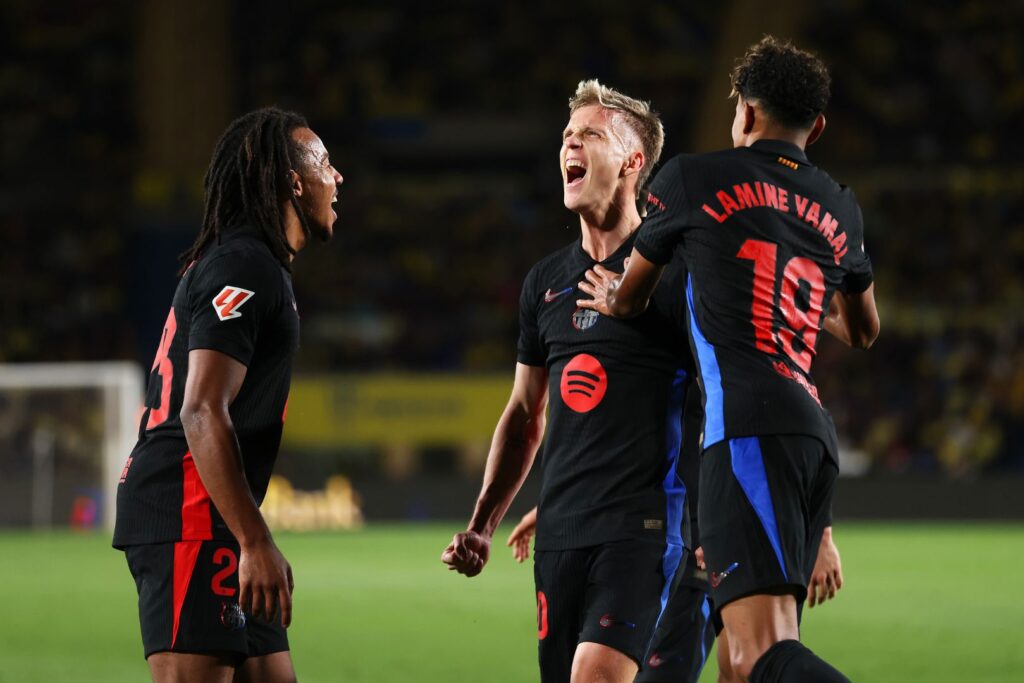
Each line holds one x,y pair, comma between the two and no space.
467,553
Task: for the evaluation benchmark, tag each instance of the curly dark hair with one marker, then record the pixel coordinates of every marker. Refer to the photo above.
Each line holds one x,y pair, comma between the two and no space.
792,85
247,179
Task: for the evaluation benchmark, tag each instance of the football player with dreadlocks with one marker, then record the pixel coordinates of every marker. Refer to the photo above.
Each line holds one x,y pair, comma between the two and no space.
214,590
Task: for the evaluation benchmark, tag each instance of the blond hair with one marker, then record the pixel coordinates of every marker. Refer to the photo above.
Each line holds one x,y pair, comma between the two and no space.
638,115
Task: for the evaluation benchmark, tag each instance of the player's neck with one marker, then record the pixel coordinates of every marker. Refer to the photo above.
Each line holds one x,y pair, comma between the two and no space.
794,137
604,230
293,231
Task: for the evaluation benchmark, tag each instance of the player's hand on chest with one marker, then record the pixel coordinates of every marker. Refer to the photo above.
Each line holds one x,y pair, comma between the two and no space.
564,326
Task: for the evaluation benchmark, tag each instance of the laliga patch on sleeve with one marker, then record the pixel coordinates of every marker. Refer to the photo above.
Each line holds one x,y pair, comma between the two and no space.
229,301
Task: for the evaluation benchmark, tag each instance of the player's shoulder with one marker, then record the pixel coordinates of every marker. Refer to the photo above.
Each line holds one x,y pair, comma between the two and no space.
842,196
832,185
244,241
242,252
675,272
672,167
687,167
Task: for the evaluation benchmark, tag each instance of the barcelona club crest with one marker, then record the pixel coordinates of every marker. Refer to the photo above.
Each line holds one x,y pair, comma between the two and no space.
584,318
231,616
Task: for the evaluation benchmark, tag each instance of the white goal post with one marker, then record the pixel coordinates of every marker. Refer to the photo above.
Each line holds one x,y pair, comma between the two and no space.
120,385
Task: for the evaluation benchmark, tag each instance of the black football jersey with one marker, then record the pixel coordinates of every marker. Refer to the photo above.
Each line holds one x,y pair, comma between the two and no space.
767,238
616,390
236,299
689,464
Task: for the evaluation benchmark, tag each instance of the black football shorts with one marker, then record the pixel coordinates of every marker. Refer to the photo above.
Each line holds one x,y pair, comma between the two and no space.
764,503
685,633
188,601
610,594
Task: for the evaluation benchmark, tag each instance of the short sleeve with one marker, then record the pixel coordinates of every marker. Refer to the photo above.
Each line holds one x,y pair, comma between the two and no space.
530,349
857,273
670,298
663,227
230,298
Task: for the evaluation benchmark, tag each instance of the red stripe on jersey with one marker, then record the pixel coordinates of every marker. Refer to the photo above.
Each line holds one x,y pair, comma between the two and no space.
185,555
195,504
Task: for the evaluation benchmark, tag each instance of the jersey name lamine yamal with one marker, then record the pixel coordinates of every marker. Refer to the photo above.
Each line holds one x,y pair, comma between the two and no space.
768,239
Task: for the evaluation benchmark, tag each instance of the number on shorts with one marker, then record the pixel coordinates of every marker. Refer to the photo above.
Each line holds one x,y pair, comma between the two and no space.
542,615
228,558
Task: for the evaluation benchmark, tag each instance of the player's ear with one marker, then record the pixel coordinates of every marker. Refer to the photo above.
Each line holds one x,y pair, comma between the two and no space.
633,163
295,183
749,117
817,129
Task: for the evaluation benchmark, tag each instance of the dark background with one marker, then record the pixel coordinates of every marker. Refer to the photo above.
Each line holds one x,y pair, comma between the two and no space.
445,120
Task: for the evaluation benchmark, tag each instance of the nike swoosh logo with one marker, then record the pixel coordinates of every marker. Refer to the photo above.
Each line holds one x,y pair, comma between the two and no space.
715,578
550,296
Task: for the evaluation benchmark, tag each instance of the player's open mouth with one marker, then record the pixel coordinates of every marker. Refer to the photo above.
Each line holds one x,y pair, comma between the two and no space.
575,170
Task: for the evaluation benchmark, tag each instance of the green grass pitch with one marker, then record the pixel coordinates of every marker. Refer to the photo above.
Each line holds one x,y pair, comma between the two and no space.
922,602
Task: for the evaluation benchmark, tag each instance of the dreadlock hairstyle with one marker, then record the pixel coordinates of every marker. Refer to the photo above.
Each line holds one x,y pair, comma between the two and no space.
247,178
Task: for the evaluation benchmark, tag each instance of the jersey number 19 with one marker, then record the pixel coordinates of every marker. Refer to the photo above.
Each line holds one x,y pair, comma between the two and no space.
797,323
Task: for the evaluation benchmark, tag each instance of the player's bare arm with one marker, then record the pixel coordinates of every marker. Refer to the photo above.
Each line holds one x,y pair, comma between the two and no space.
519,539
516,439
827,577
264,576
621,296
853,318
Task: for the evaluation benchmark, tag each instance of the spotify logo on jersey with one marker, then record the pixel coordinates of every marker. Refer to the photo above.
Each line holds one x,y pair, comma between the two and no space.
584,382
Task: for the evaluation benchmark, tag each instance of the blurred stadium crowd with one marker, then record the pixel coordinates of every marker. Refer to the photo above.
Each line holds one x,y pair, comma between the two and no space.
449,148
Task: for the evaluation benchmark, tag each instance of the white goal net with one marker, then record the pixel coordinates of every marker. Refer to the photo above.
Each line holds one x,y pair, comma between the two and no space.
66,430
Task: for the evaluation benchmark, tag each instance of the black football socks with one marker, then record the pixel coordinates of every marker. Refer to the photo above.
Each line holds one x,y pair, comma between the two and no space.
788,661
